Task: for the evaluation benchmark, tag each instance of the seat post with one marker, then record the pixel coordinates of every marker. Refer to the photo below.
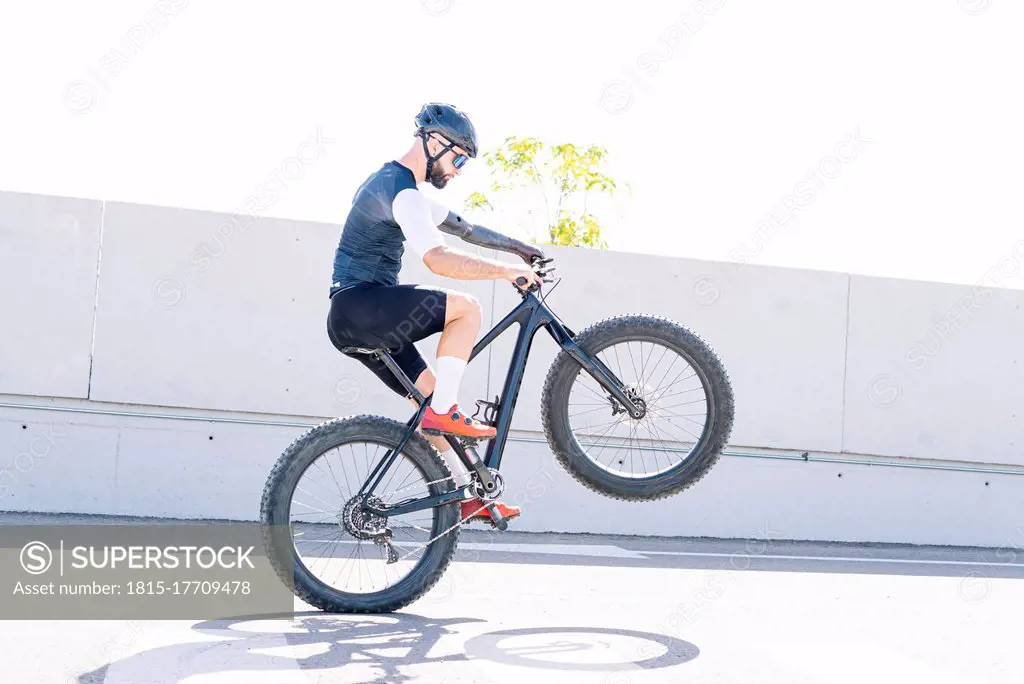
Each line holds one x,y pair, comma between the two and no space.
411,388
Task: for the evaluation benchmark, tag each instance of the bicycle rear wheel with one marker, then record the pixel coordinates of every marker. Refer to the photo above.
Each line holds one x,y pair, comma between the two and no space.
312,517
683,387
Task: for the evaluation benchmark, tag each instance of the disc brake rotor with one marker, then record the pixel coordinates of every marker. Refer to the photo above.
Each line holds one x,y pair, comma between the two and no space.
635,397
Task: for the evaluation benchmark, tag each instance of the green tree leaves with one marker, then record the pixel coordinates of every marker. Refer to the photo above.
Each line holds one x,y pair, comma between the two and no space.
567,173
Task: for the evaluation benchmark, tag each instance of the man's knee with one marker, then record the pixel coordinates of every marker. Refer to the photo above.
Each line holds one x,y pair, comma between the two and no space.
461,305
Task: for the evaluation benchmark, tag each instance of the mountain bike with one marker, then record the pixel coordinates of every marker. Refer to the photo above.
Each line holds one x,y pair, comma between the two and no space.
635,407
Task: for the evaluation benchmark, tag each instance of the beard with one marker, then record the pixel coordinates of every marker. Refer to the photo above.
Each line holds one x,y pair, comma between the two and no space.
437,177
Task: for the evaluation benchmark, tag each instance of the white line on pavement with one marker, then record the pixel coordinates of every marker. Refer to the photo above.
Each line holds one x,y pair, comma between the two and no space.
611,551
921,561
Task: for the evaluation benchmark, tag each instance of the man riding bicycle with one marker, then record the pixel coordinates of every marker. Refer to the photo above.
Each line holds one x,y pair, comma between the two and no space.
369,308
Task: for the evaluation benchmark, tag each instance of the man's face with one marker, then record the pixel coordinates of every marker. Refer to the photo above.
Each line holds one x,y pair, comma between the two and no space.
443,170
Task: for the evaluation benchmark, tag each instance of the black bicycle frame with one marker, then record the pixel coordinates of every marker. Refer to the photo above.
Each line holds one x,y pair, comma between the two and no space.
531,315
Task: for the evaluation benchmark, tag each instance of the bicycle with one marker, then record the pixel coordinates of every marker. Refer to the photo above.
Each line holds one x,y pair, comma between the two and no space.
621,402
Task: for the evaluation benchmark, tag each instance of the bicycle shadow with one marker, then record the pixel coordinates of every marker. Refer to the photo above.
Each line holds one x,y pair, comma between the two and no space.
378,648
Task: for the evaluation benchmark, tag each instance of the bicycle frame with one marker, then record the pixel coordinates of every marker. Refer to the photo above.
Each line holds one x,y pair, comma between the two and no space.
531,315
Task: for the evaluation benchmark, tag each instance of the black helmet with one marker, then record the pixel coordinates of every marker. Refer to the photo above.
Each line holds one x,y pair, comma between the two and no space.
452,123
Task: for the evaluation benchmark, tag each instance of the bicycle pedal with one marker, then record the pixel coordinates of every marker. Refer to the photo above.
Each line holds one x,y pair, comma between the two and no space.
497,519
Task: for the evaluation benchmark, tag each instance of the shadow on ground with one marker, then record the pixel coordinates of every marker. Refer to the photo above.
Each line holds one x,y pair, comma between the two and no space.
383,648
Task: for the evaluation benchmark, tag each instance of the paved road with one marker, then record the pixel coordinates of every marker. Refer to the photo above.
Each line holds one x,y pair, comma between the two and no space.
597,610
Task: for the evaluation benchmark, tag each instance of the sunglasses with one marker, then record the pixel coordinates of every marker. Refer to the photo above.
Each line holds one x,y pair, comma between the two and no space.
459,160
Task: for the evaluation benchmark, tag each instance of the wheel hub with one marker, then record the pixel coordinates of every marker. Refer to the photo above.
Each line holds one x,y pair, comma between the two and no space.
634,396
362,523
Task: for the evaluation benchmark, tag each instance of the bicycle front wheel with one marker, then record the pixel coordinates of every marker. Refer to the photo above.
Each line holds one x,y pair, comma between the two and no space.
687,400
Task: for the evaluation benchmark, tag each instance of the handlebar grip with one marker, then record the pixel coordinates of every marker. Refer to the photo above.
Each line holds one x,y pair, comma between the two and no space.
520,281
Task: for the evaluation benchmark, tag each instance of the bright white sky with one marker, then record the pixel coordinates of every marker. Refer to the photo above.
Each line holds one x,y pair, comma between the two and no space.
711,122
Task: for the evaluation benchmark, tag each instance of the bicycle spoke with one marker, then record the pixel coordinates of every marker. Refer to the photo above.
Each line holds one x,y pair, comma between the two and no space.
674,396
351,556
687,403
684,417
616,451
344,471
594,392
599,408
632,437
698,388
325,546
312,495
337,484
613,425
656,396
674,437
406,479
631,360
643,381
640,452
315,510
617,362
324,541
627,445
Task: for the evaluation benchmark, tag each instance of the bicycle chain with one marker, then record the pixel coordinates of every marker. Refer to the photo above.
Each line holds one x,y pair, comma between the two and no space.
434,539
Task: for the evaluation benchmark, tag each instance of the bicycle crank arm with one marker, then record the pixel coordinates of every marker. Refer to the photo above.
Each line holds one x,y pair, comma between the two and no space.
476,464
497,517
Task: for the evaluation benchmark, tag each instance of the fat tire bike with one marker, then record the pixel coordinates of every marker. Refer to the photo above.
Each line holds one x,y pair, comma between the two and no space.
635,407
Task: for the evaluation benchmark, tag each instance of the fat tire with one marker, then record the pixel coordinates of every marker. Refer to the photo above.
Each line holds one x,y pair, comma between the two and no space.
274,515
700,355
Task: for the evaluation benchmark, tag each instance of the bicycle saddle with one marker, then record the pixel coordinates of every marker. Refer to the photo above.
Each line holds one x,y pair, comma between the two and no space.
361,350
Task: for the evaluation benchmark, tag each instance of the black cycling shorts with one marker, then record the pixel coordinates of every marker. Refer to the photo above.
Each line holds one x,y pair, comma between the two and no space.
391,316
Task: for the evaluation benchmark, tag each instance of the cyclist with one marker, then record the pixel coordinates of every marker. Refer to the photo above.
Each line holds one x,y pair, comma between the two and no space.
370,309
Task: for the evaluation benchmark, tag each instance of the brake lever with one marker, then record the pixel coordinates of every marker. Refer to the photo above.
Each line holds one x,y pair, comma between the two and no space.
541,263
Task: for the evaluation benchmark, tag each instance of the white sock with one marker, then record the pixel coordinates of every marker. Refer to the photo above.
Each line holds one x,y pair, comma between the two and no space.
459,472
446,388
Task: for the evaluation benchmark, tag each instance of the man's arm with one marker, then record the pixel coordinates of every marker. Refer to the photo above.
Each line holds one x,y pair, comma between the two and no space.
418,217
453,224
491,239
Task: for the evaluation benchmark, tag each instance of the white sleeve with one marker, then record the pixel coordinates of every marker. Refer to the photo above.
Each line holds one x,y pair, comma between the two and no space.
437,212
415,216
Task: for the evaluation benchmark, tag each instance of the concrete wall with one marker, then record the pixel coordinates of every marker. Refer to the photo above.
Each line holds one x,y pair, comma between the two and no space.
210,317
49,249
935,370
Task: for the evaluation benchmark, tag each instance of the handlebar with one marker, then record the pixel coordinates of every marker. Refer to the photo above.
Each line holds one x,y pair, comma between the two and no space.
539,266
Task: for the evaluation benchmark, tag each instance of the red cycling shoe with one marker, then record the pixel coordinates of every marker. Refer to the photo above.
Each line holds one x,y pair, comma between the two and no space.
475,509
455,422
